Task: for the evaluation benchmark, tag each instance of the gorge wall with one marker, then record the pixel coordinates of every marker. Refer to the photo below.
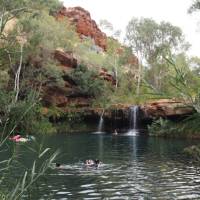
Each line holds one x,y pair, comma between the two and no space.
71,94
85,25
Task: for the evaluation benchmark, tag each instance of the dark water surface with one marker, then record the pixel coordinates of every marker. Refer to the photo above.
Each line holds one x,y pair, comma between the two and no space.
135,167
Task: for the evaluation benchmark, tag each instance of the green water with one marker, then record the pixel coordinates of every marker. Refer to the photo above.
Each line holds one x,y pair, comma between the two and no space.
135,167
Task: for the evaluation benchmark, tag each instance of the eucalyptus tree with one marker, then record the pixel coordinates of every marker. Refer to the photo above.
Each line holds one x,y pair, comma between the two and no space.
152,42
12,42
195,6
113,47
140,37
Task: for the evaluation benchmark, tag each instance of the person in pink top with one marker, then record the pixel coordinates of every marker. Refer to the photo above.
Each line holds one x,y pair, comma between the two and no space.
16,137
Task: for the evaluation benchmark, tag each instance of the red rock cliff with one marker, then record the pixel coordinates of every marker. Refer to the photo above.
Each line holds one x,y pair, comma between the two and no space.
84,24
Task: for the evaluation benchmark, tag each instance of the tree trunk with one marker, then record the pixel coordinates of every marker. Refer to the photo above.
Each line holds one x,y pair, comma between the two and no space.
139,75
17,75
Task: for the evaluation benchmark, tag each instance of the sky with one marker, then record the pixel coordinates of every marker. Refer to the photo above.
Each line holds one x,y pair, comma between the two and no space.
120,12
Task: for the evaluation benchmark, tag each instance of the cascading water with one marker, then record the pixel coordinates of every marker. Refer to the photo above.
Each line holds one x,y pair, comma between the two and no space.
101,124
134,110
133,117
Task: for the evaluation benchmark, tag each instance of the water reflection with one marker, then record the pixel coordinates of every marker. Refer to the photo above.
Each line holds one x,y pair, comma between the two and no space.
134,168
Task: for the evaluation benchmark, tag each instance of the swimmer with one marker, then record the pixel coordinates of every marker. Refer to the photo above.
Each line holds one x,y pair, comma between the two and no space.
115,132
89,162
59,166
93,163
97,162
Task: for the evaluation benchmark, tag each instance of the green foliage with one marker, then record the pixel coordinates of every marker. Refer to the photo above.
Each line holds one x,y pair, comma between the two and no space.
185,85
189,127
193,152
24,116
195,6
153,42
87,81
163,127
4,78
43,35
44,32
16,186
191,124
52,75
51,5
2,196
90,54
33,122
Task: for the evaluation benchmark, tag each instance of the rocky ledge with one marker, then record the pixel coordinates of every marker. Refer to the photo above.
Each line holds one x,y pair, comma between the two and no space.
118,116
166,108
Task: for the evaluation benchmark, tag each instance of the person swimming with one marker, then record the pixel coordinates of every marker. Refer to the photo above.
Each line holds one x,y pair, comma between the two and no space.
89,162
97,162
60,166
115,132
92,163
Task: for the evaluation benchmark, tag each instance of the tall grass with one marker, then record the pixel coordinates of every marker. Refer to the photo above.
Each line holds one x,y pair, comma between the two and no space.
15,186
17,179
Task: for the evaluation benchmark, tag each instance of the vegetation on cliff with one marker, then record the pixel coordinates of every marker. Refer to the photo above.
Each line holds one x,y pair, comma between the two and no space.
52,68
54,59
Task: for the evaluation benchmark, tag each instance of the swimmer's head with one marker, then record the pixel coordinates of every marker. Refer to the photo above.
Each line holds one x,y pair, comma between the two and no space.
58,164
97,161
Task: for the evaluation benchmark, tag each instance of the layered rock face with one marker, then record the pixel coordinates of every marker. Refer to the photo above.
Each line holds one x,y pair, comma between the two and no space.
85,26
65,58
119,114
70,94
166,108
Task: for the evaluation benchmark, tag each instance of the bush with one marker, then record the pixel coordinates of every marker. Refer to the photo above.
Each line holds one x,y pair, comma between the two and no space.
193,152
189,127
23,116
163,127
87,81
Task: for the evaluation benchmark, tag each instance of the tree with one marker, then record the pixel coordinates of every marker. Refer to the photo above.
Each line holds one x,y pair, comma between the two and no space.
113,47
152,42
194,7
195,65
14,38
87,81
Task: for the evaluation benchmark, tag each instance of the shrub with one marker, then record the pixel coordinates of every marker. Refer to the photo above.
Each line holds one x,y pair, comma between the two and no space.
163,127
23,116
87,81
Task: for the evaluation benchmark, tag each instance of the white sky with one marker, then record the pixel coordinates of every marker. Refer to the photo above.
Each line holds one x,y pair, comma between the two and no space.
119,13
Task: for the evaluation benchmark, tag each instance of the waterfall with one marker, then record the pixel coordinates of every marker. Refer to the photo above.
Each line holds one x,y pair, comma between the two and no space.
101,124
133,117
134,110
